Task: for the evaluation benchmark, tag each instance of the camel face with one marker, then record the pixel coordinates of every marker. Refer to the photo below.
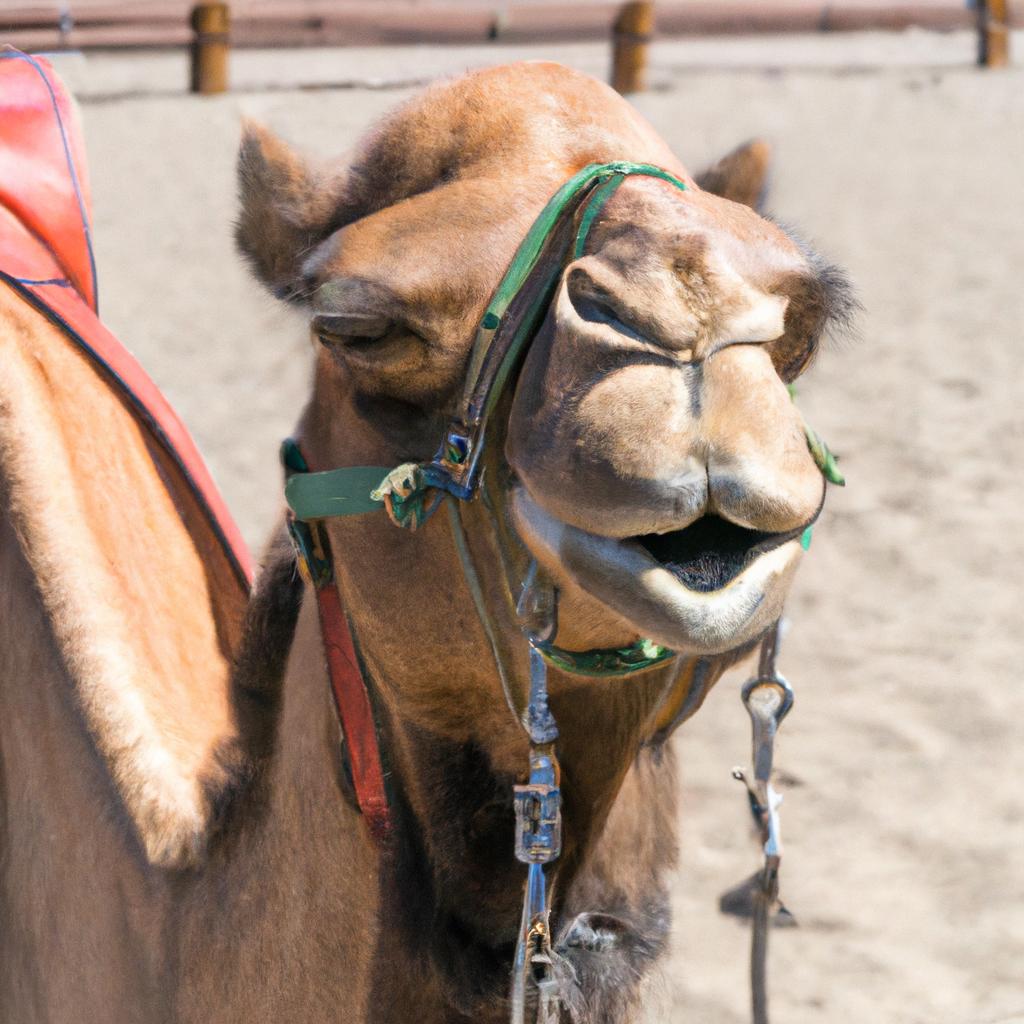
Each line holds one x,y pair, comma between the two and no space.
662,475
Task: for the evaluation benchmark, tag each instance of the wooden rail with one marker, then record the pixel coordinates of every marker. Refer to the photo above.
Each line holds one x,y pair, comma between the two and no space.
328,23
631,33
211,23
288,23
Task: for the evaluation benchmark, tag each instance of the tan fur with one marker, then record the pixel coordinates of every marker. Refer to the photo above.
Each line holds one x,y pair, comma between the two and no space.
396,275
121,583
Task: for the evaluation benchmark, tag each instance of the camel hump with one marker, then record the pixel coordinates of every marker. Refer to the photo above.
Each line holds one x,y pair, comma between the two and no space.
142,609
142,572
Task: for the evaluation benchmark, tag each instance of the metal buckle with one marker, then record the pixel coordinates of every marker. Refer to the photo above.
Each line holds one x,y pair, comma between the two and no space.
538,813
314,563
453,468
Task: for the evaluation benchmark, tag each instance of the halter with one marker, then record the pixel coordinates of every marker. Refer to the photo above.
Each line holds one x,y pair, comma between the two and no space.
412,492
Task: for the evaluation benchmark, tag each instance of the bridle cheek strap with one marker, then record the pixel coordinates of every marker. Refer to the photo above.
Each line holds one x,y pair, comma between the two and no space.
349,690
352,702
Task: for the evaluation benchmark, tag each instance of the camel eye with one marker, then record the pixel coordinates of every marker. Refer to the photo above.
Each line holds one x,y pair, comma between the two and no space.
351,331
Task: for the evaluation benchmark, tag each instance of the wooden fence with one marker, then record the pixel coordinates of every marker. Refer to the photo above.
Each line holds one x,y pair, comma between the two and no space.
211,29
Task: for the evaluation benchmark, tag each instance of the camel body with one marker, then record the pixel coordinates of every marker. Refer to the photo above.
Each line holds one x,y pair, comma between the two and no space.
181,840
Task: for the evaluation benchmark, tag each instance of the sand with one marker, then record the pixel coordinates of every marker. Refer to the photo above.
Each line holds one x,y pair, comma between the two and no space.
903,761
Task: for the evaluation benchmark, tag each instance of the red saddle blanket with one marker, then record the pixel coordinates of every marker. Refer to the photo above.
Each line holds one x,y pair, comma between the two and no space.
46,254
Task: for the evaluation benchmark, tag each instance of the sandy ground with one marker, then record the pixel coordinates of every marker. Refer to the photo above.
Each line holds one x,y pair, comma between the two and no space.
904,816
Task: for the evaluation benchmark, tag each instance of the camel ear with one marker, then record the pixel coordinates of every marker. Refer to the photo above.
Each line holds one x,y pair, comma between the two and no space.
741,175
286,207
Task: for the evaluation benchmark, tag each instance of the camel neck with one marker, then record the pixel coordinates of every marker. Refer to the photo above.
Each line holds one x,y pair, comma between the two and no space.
452,746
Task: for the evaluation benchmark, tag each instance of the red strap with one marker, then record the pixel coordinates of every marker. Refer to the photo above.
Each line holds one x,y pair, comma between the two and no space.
353,704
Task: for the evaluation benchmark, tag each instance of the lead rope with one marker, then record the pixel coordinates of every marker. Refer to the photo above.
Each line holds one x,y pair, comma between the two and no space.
538,842
538,803
767,698
538,812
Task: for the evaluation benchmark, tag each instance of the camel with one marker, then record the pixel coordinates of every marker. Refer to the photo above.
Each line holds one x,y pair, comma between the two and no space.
182,842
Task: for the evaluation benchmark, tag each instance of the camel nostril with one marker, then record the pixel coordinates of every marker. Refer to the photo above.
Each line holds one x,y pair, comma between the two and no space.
596,311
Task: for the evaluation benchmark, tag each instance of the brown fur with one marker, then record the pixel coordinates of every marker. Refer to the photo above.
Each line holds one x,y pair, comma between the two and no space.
261,896
741,175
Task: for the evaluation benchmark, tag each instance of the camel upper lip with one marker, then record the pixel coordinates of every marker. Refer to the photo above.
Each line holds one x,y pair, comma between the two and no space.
711,551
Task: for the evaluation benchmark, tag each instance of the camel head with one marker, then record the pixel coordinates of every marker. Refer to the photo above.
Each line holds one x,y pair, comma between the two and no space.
655,464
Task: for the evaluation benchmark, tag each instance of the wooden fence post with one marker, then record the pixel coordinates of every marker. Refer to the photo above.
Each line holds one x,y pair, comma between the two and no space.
211,23
993,33
631,33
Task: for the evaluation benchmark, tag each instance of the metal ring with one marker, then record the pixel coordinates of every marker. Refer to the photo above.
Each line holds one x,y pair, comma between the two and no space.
779,682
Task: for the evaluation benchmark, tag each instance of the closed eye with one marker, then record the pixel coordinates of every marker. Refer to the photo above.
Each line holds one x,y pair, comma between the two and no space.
351,331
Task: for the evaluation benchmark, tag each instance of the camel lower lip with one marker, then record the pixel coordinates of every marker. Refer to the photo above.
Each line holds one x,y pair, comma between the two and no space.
726,608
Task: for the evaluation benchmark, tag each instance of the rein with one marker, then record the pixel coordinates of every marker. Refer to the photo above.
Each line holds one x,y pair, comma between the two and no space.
412,492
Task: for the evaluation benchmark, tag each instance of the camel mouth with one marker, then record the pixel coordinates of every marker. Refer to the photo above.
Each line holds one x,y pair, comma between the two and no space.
711,552
703,590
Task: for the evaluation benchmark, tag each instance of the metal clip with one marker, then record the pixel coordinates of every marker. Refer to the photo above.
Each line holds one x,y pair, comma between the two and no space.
538,842
767,701
538,812
533,950
538,809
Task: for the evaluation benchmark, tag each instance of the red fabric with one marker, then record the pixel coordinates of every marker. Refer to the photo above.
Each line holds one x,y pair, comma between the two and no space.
355,712
41,155
44,240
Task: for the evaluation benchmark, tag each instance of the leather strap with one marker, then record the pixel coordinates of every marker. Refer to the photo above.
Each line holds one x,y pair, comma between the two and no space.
348,684
352,702
334,492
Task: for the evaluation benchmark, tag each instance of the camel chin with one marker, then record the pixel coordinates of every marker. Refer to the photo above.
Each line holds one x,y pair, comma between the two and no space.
682,608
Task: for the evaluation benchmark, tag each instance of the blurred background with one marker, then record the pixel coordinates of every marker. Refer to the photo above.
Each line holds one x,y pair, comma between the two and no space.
898,139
